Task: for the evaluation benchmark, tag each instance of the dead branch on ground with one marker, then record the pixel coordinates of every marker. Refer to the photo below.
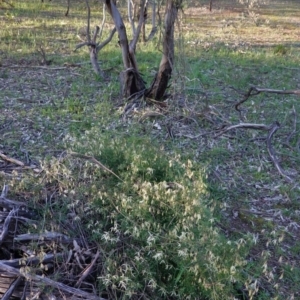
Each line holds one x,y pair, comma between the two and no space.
20,265
253,91
12,160
271,130
48,282
88,270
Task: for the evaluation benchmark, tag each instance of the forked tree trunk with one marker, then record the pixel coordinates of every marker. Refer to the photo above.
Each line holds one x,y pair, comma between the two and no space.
161,80
131,80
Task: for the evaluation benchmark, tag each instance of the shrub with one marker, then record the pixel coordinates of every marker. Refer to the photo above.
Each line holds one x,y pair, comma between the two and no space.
151,217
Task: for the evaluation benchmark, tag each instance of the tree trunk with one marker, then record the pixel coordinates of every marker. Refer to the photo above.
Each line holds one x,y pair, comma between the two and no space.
161,80
131,81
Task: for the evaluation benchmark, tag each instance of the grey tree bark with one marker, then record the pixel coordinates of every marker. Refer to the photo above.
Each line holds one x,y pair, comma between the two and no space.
162,78
131,80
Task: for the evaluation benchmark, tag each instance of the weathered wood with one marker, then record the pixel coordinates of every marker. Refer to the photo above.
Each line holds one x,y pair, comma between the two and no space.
47,281
88,270
8,294
48,236
33,261
12,160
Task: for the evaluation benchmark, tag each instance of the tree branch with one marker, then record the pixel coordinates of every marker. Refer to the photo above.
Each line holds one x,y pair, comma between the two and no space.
133,43
253,91
105,42
271,129
88,32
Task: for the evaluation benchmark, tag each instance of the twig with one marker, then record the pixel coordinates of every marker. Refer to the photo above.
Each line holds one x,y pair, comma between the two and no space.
93,159
273,129
12,160
46,281
88,270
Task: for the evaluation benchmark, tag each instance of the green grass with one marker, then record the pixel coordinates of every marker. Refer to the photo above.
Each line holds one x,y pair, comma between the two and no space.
246,207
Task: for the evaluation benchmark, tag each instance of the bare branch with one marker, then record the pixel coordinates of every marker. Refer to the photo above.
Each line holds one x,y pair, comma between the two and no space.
88,32
133,43
103,20
88,270
105,42
84,44
95,34
12,160
130,8
253,91
271,129
273,157
48,236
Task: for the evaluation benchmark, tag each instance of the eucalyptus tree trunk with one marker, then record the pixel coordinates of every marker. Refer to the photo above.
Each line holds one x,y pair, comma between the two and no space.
162,78
131,80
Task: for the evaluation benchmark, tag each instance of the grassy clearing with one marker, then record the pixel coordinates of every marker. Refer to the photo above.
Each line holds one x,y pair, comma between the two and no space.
247,240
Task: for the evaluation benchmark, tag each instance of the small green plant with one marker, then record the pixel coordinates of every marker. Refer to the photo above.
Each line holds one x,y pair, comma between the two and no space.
280,50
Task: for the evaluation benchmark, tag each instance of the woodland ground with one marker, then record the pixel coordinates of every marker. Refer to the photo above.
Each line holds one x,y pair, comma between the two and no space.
219,55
